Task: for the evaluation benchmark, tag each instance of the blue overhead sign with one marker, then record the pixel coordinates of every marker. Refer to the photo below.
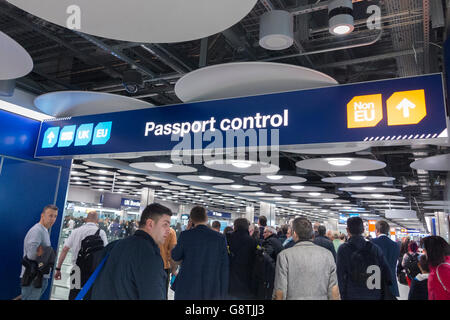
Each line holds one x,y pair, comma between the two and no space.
386,110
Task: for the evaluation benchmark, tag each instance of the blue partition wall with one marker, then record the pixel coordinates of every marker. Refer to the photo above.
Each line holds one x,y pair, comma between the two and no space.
26,186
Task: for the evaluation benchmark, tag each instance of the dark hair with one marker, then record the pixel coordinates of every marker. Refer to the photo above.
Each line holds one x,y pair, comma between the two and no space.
284,229
355,226
342,236
227,229
412,246
198,214
256,233
302,228
437,249
263,221
321,230
382,227
423,262
241,224
153,211
51,207
404,247
215,224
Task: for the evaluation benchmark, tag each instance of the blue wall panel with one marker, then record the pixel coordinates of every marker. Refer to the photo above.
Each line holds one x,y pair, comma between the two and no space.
26,186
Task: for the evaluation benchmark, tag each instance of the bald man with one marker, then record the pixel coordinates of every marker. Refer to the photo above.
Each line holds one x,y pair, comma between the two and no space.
73,243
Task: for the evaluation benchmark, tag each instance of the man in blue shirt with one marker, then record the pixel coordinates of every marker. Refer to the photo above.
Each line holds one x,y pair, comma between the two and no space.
203,255
36,237
134,269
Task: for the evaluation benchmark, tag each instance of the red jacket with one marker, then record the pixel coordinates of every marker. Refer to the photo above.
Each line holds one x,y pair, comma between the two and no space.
436,289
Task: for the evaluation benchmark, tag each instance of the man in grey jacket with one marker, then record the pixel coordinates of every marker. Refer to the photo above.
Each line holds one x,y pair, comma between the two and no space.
306,271
38,238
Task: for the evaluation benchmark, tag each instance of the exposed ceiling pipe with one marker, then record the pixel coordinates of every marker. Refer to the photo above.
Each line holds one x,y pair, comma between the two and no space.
328,50
152,49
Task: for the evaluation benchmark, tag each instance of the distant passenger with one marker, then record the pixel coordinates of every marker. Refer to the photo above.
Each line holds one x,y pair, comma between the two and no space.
289,242
410,261
305,271
419,285
203,255
215,226
165,249
262,223
134,269
336,241
254,233
357,261
242,258
329,235
391,251
73,243
316,229
282,235
437,251
36,237
323,241
271,244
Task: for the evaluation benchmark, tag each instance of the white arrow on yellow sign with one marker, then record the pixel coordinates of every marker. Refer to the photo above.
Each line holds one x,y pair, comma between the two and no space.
406,107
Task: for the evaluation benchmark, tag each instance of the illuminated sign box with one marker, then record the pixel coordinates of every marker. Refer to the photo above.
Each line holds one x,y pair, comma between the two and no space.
385,112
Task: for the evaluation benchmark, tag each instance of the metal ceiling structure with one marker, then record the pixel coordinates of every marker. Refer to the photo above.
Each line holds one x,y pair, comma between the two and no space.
410,42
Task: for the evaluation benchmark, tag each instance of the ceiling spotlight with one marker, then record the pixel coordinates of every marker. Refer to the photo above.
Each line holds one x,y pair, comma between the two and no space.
314,194
340,162
241,164
237,186
274,177
276,30
369,188
340,15
375,195
297,187
357,178
206,178
327,200
163,165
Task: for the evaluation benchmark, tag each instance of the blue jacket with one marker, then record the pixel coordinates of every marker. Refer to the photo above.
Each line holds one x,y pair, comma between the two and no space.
134,271
391,251
347,288
204,272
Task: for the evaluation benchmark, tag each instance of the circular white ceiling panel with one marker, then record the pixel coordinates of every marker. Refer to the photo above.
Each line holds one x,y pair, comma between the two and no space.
244,79
205,179
130,178
242,166
237,187
275,178
131,172
101,172
162,167
325,150
438,203
377,196
142,20
328,200
79,166
358,179
259,194
15,62
78,173
315,195
172,187
370,189
435,163
437,207
126,183
100,178
297,188
339,164
79,103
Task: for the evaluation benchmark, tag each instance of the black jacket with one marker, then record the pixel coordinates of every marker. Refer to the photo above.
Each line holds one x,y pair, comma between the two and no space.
242,258
272,246
325,243
134,271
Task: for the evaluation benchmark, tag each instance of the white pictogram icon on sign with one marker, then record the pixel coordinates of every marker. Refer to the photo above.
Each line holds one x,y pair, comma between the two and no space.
50,137
405,104
66,136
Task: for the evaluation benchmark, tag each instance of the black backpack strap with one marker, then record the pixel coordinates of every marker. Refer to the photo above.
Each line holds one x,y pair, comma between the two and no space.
98,232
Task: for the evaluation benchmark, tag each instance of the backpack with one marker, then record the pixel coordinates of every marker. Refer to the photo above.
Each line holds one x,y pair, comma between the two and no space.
263,275
360,260
90,252
411,267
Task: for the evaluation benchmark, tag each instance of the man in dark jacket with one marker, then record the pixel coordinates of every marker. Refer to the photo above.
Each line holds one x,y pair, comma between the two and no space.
271,244
242,258
362,269
323,241
202,252
262,223
134,269
391,251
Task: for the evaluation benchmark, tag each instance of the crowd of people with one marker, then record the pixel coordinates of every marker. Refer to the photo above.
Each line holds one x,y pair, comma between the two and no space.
251,261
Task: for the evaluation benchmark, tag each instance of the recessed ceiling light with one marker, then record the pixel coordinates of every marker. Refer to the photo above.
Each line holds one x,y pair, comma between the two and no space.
377,195
327,200
278,198
163,165
241,164
102,177
340,162
297,187
369,188
314,194
206,178
237,186
357,178
274,177
103,171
